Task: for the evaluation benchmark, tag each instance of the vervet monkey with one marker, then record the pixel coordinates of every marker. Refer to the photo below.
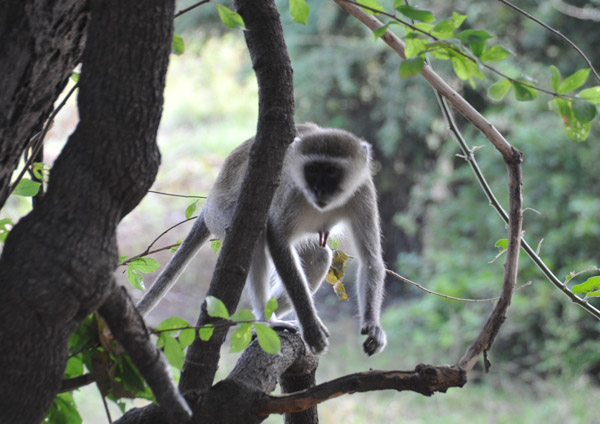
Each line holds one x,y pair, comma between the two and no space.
326,180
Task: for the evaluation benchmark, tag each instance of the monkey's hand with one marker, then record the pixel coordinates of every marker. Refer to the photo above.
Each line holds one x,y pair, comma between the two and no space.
376,339
315,336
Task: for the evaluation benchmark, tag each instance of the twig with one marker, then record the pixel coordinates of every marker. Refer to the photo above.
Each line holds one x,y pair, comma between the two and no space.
445,296
187,9
176,195
39,140
555,32
148,251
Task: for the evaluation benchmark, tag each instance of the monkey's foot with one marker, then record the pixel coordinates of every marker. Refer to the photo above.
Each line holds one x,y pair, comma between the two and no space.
376,339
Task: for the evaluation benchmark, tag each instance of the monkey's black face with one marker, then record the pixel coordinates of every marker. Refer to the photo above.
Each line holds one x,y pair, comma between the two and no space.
323,180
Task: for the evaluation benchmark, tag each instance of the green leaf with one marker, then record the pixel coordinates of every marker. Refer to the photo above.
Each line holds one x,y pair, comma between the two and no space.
478,48
38,170
584,112
173,351
524,93
216,308
556,77
122,259
215,245
372,5
270,307
177,45
75,76
414,46
241,337
63,410
299,10
5,226
594,294
205,333
465,68
268,339
130,376
502,244
378,32
74,367
592,95
592,283
414,13
243,315
498,90
574,81
410,67
450,24
173,323
135,278
229,17
575,129
495,54
187,337
27,188
470,36
145,265
189,211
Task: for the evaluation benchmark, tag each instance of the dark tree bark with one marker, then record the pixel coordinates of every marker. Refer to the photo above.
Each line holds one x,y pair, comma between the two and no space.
264,37
41,43
57,264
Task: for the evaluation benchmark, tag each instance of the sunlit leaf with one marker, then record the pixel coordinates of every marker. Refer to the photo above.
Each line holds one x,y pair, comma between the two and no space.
372,6
189,211
592,95
494,54
414,46
414,13
145,265
299,10
574,81
229,17
243,315
498,90
216,308
173,323
206,332
556,77
450,24
241,337
215,245
177,45
268,339
135,278
592,283
27,188
270,307
173,351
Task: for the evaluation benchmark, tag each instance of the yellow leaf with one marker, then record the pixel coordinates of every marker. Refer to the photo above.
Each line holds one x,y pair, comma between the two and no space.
340,291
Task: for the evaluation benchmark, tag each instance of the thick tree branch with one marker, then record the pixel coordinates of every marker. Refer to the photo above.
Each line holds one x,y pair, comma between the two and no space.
275,130
512,157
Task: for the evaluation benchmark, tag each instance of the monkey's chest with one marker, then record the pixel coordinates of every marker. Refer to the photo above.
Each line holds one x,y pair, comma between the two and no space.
311,221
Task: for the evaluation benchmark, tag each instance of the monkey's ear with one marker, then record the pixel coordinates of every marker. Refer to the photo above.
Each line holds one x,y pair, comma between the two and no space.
368,149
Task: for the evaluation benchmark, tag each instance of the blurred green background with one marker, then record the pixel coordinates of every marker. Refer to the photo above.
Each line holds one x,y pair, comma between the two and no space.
437,225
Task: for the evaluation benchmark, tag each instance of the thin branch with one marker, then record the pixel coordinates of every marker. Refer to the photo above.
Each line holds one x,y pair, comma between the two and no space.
467,154
445,296
512,157
187,9
176,195
38,141
147,251
555,32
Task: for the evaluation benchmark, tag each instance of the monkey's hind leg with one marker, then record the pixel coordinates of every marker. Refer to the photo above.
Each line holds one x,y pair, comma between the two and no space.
315,261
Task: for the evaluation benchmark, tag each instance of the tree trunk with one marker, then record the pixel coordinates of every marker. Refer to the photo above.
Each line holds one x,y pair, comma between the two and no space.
57,264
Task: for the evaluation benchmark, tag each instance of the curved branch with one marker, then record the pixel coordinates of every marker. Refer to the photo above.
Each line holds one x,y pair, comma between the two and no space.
512,157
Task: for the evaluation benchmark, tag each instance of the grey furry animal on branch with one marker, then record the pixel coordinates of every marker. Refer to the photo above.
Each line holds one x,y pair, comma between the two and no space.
326,181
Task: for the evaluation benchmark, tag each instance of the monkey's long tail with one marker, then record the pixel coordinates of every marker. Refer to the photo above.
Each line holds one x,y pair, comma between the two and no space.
186,252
